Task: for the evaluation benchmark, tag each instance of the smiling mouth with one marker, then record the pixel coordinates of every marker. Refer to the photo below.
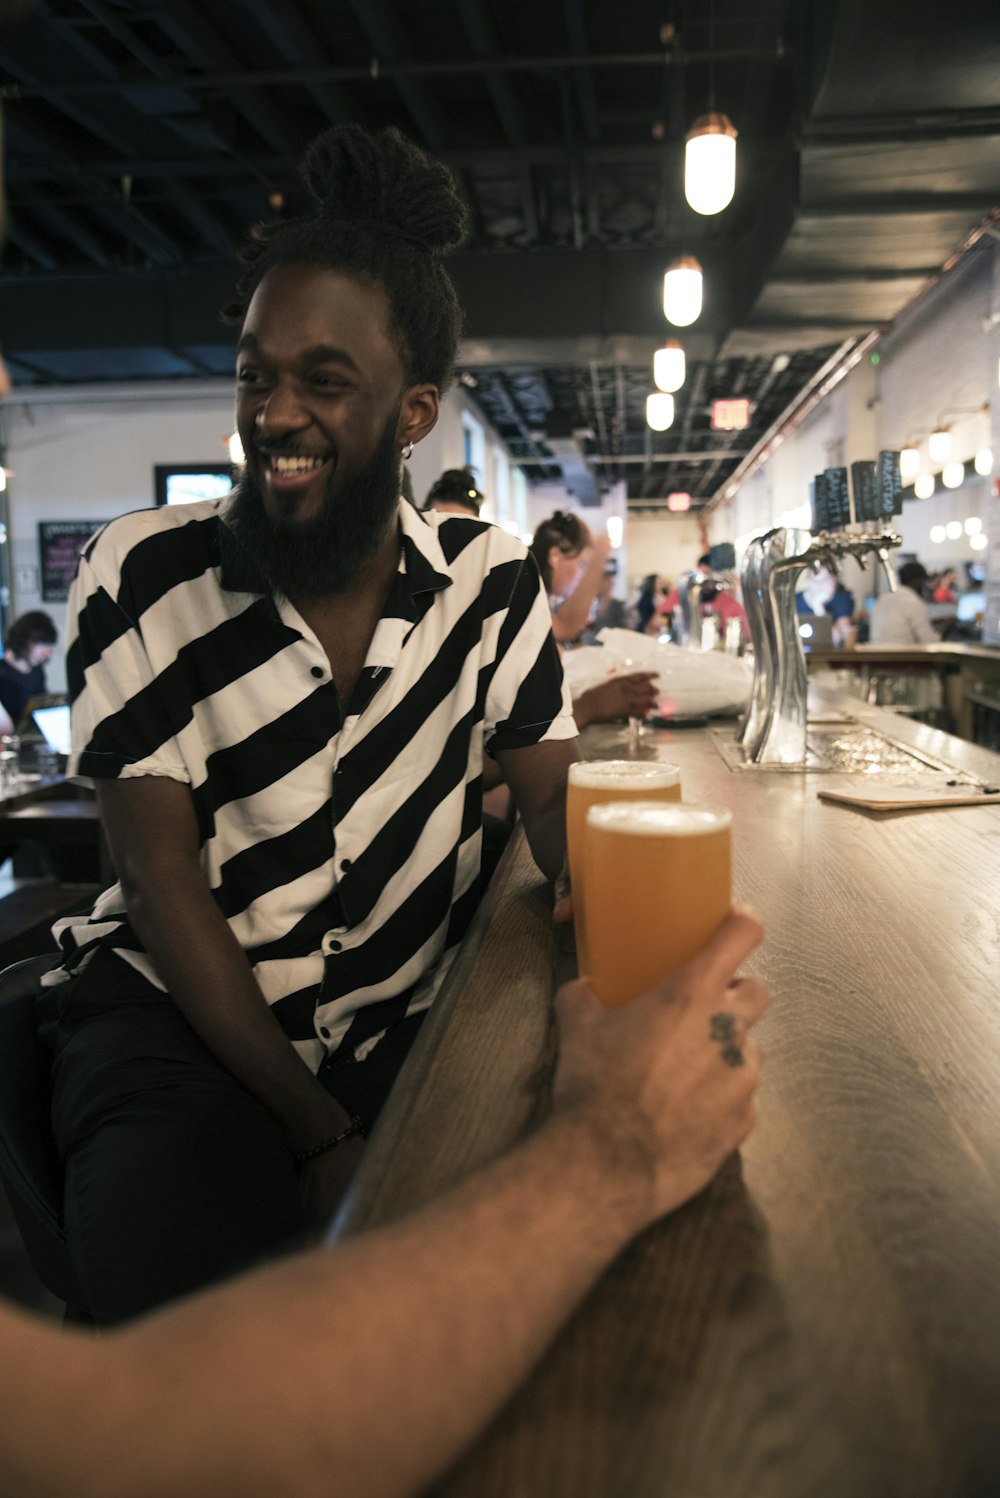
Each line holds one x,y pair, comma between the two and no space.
290,471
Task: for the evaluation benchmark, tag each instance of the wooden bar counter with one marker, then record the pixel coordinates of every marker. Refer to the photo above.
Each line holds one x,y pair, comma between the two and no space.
825,1318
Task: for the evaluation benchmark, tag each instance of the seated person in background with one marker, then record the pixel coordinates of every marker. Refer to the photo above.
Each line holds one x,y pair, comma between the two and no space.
900,618
300,1379
455,493
571,563
824,593
284,699
29,646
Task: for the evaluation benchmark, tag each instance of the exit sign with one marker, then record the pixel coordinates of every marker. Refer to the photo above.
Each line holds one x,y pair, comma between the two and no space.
730,416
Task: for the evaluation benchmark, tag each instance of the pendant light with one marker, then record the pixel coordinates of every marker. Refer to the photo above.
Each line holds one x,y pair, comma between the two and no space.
682,291
710,163
983,461
710,148
669,366
659,410
923,486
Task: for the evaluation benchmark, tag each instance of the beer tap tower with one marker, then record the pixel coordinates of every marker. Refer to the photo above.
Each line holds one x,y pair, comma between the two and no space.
858,524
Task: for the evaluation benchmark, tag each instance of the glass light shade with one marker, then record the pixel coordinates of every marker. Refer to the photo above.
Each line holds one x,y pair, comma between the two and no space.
678,501
937,534
973,525
939,445
669,366
953,475
923,486
236,453
978,543
710,164
659,410
983,462
3,480
953,530
682,291
616,531
909,464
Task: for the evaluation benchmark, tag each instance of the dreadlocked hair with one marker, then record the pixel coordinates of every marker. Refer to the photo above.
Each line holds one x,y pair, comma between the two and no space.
388,214
563,529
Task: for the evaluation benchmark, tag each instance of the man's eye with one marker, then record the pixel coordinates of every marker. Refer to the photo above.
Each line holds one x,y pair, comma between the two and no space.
329,382
246,375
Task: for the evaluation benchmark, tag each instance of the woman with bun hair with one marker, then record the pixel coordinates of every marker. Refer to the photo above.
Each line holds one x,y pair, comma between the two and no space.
571,563
285,699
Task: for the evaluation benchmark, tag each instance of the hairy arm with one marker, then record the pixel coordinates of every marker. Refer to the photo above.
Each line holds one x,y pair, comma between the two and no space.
152,831
537,775
367,1367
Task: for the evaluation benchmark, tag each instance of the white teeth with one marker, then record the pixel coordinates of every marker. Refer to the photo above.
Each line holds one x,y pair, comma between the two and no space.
295,465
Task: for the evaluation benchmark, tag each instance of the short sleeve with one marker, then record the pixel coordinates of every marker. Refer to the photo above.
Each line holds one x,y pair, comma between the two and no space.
120,724
527,701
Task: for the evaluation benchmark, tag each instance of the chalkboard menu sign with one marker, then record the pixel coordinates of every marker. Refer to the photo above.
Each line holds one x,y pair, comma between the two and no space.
837,498
60,543
820,508
865,492
890,491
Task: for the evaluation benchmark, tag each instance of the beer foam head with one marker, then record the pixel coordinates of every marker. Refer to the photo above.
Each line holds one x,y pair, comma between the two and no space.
630,774
658,819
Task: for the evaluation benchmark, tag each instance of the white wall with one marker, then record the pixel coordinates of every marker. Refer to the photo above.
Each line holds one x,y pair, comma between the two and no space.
545,499
87,453
666,545
939,362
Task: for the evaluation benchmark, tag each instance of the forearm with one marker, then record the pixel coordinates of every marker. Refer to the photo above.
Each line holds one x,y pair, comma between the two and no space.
364,1365
572,616
209,978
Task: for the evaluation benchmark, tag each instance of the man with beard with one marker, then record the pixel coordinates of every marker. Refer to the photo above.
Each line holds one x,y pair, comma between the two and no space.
284,704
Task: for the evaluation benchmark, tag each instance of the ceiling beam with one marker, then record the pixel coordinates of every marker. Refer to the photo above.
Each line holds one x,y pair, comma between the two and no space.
485,42
290,33
385,66
887,205
901,129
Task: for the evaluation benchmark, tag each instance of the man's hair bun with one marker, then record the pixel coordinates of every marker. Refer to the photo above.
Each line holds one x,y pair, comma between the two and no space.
385,183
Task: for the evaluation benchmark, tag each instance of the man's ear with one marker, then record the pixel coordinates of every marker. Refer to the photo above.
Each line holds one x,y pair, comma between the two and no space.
419,413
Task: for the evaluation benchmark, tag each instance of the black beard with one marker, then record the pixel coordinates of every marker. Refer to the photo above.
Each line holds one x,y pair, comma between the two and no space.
307,560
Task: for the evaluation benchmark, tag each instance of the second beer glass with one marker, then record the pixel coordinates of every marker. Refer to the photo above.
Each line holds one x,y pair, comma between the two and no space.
592,782
657,883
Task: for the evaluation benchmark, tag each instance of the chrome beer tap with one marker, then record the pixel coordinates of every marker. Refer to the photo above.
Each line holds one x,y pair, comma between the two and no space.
774,732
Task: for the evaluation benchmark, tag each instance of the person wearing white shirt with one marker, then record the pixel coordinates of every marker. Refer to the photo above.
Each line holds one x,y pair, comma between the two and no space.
900,618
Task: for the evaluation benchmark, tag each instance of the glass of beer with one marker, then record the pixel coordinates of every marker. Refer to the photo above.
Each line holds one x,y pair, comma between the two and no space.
591,783
657,883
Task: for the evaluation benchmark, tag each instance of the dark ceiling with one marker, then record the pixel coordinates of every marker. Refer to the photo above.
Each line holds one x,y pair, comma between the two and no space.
142,139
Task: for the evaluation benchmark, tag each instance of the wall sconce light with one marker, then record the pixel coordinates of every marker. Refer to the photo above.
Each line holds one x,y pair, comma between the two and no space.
909,464
939,445
616,531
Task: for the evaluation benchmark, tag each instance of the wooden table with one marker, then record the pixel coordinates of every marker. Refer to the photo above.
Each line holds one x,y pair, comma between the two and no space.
824,1321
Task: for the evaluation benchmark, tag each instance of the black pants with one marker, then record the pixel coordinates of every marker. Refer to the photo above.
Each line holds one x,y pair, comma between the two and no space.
175,1175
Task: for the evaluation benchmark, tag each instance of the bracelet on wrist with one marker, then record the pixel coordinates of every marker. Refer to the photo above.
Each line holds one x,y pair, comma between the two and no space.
304,1156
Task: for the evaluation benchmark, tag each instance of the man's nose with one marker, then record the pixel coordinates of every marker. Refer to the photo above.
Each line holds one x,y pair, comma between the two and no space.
282,411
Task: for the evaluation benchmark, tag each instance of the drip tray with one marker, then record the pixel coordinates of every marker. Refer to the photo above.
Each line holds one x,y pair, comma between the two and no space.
848,749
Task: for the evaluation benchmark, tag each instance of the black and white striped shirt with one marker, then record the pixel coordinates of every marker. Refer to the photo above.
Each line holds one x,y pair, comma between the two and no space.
343,850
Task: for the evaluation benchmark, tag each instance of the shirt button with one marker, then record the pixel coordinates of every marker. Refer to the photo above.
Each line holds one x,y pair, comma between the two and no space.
324,1032
336,946
316,671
